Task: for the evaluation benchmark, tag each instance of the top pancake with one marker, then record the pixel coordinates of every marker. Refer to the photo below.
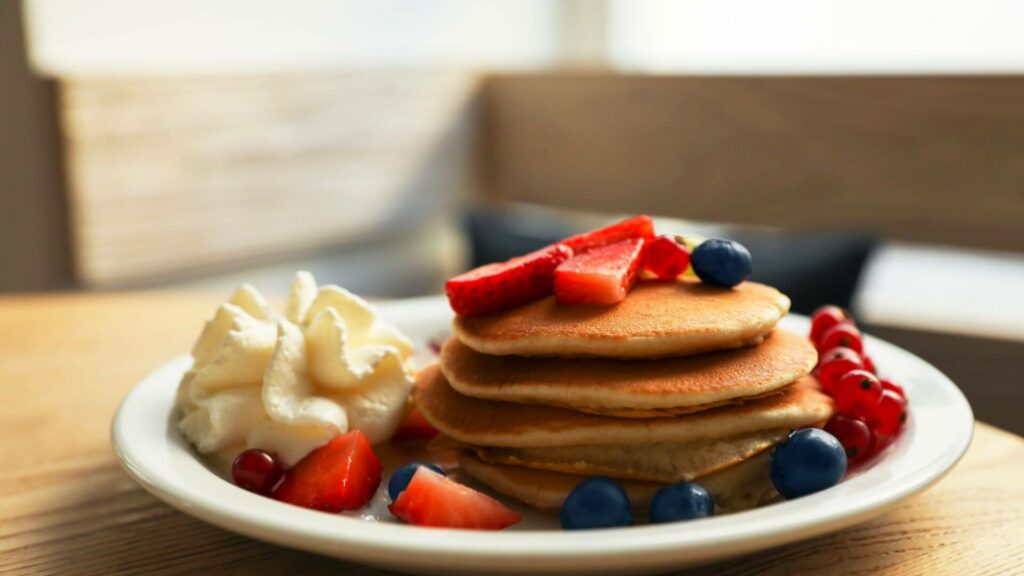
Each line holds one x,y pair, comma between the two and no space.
656,320
490,423
631,388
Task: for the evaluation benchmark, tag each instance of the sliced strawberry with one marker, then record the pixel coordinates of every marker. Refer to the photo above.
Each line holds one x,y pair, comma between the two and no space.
508,284
434,500
341,475
413,427
602,276
635,227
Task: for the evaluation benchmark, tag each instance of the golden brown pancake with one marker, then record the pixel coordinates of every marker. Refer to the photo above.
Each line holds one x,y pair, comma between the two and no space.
631,388
739,487
491,423
662,462
656,320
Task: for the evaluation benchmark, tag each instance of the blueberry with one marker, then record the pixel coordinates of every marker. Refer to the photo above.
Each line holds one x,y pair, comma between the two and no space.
401,478
684,501
808,461
597,502
721,262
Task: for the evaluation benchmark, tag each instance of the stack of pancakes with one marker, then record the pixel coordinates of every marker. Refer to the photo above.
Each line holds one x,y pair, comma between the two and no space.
681,381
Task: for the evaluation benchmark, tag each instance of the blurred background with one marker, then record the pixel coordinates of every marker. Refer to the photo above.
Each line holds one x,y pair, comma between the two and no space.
869,154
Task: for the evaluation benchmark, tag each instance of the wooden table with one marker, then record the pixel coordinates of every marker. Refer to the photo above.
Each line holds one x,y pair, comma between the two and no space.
67,508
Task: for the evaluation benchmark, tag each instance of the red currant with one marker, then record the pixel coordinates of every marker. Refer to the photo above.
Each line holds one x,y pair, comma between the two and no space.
257,471
889,414
667,256
869,364
881,441
857,393
825,318
853,434
845,335
834,364
890,385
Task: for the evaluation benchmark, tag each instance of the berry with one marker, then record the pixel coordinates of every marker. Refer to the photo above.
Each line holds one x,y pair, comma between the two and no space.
504,285
846,335
721,262
857,393
635,227
341,475
889,415
668,257
602,276
413,427
825,318
808,461
400,479
833,364
853,434
684,501
881,441
257,471
894,387
597,502
869,364
434,500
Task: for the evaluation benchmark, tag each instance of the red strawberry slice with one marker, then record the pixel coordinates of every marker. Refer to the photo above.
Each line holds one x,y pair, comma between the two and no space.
434,500
413,427
341,475
508,284
602,276
635,227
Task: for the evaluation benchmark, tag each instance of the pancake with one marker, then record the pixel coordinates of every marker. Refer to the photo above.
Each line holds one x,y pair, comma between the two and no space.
656,320
735,488
491,423
661,462
631,388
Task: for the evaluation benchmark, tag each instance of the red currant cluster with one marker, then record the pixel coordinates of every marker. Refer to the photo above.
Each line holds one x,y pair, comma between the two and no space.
869,410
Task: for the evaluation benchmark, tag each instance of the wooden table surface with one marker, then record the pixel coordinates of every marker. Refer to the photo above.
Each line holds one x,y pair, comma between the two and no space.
67,508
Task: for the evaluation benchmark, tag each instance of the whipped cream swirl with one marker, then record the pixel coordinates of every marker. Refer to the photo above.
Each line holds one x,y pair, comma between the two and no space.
290,383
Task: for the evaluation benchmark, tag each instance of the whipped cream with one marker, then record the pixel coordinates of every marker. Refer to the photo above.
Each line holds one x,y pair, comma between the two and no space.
288,384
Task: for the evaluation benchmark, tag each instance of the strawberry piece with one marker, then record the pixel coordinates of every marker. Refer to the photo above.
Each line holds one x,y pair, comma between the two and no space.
635,227
434,500
341,475
413,427
602,276
507,284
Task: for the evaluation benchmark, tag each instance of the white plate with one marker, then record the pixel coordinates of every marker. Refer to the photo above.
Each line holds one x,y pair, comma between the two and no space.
936,436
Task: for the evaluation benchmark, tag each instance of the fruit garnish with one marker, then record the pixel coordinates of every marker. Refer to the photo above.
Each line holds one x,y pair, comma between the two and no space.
413,427
431,499
857,393
341,475
869,364
632,228
844,334
808,461
833,364
667,256
889,414
602,276
721,262
684,501
824,318
400,479
894,387
506,284
853,434
597,502
257,471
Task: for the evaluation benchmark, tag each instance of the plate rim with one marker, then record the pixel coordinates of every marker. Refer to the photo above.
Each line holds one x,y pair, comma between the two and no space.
400,546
